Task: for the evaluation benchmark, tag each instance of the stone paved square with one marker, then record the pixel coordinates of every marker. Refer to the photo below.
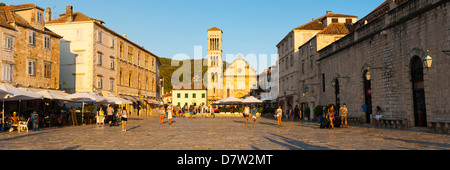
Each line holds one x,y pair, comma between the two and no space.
222,133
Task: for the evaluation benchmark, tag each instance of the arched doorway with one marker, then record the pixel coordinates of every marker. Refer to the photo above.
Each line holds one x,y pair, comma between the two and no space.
417,80
367,96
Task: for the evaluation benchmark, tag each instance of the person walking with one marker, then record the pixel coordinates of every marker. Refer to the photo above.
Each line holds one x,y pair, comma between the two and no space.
124,119
330,116
169,113
100,116
343,114
278,115
296,113
246,113
162,112
254,111
109,114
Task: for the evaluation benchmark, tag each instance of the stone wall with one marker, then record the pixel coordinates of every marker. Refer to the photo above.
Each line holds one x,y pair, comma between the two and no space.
387,44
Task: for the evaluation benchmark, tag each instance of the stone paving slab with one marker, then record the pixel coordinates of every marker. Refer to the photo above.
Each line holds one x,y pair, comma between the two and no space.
145,133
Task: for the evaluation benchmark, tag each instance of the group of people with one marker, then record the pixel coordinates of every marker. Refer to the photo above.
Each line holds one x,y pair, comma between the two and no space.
170,111
110,113
342,113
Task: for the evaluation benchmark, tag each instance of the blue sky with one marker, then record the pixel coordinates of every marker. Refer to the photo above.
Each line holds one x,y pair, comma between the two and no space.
170,27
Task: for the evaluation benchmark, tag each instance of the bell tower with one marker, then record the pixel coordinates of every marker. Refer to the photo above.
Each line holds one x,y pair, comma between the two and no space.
215,65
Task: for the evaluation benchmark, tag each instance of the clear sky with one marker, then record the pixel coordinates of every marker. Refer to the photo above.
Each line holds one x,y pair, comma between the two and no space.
170,27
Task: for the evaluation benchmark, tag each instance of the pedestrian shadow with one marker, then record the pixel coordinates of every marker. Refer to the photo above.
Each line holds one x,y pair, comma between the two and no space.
166,121
268,123
22,136
438,145
132,128
292,144
72,148
239,121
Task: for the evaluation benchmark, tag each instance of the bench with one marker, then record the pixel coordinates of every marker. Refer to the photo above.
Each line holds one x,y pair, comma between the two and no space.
441,126
392,122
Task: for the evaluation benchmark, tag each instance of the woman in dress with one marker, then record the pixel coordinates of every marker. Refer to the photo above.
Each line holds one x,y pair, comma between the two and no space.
330,116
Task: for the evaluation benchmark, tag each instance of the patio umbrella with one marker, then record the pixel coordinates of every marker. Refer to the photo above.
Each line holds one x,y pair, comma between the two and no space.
231,100
118,100
84,96
218,102
10,93
251,100
53,95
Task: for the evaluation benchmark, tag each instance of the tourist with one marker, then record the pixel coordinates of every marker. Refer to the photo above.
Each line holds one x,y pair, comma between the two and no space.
378,115
246,113
254,111
278,115
124,119
109,114
162,113
169,113
191,110
330,116
343,114
296,113
100,116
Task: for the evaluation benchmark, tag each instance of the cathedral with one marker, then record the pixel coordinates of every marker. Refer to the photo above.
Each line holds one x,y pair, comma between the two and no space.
238,79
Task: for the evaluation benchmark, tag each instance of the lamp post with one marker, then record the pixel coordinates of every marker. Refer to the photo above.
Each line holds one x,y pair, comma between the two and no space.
428,61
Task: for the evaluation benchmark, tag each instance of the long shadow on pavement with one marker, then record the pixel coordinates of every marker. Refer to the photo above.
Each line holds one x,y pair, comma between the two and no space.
295,144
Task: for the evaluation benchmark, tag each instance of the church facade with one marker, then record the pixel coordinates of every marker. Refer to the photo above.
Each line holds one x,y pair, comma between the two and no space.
237,79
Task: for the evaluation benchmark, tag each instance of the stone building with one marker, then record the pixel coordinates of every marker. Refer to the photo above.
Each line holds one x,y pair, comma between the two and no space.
288,49
96,59
239,79
29,50
390,43
309,74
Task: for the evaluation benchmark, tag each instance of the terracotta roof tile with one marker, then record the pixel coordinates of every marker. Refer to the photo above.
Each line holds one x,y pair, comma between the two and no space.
77,17
337,28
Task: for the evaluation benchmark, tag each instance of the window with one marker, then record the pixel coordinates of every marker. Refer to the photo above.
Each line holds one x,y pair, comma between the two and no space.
139,81
130,54
31,37
194,95
112,43
186,95
47,70
139,58
311,62
111,84
7,72
334,20
292,60
146,62
40,17
153,85
129,79
121,77
203,95
47,42
99,58
146,83
348,21
8,42
31,69
178,95
112,62
121,50
99,36
99,82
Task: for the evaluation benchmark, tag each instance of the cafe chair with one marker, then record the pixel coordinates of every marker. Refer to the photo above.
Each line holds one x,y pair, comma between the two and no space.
23,125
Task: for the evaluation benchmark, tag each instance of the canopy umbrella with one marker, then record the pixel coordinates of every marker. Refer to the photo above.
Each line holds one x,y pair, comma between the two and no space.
10,93
218,102
53,95
231,100
118,100
251,100
84,96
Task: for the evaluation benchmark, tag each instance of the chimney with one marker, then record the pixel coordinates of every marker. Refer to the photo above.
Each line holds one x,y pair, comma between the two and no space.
48,15
329,12
124,35
69,13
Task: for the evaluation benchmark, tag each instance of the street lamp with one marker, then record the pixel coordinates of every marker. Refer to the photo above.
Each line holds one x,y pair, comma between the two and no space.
427,61
368,74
